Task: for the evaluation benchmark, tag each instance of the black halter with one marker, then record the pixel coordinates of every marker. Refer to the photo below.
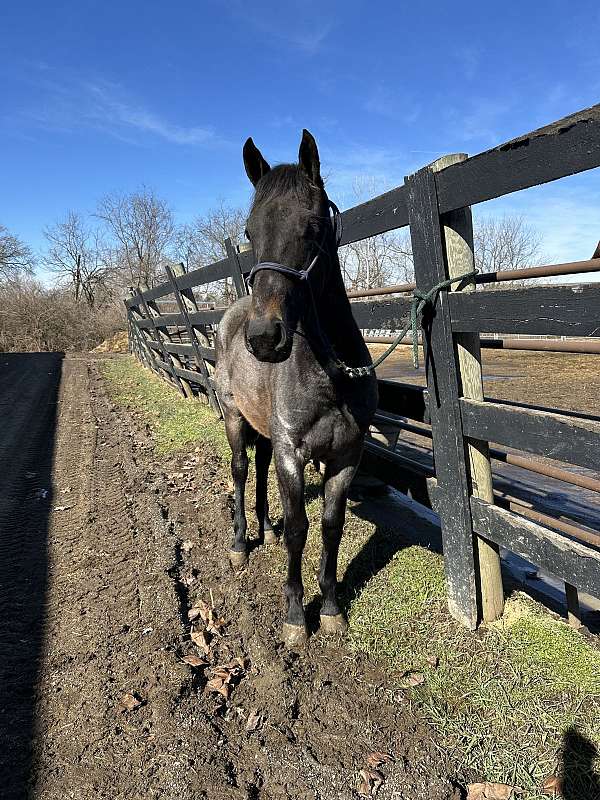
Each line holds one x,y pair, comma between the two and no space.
300,274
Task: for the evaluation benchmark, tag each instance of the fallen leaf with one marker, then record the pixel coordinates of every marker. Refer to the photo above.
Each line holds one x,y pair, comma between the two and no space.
254,720
489,791
129,702
553,786
194,661
202,640
411,679
376,759
371,780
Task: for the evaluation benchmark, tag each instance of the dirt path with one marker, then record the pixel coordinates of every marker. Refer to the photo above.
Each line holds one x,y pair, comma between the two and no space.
101,558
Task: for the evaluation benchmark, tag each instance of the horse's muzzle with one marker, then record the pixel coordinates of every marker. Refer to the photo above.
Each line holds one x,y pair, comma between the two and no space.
267,339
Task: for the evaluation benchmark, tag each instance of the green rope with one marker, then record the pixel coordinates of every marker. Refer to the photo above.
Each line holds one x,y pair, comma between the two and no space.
419,301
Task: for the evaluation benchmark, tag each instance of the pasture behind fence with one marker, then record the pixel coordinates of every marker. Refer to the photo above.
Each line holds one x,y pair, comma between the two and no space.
435,203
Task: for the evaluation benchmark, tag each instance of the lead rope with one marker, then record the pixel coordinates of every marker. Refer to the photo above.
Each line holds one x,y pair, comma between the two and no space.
419,301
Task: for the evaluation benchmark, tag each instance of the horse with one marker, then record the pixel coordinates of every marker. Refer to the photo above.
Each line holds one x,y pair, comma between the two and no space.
293,374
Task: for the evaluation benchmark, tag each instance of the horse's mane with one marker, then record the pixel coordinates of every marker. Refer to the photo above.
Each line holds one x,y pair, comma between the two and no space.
284,179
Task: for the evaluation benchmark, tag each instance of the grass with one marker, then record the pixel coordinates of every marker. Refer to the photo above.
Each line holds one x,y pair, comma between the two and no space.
174,421
512,703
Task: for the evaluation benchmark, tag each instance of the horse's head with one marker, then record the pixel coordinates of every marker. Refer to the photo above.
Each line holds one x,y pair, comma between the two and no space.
289,226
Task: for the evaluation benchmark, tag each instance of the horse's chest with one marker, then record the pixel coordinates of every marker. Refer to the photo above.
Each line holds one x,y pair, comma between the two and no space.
327,435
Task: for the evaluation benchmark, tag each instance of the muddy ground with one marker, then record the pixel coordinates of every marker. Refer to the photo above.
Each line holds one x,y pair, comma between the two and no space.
102,556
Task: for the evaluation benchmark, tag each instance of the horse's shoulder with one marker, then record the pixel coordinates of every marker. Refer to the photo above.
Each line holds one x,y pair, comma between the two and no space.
232,319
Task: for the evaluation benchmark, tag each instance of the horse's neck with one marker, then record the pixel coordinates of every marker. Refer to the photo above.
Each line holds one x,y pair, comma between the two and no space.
335,317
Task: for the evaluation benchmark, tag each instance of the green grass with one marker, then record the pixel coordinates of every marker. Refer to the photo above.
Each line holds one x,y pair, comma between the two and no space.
501,700
175,422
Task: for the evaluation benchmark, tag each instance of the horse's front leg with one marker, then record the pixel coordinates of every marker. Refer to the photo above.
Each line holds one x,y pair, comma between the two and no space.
236,429
264,451
290,475
337,480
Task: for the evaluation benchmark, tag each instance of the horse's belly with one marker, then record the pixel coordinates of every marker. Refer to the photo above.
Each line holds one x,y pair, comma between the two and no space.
256,411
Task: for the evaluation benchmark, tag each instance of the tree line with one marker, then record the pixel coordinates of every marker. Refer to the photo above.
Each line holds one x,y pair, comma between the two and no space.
93,259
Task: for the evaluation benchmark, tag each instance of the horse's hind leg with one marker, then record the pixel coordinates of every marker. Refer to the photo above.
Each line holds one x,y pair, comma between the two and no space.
337,480
264,451
237,428
290,474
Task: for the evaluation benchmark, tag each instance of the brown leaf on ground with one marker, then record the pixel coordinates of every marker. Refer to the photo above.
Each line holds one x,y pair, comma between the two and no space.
552,786
194,661
490,791
202,640
376,759
254,720
129,702
370,782
410,679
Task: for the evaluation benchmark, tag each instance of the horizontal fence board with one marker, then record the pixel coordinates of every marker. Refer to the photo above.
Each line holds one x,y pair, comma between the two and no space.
572,310
401,473
386,314
572,561
403,399
209,317
566,439
203,275
185,349
190,375
381,214
161,290
565,147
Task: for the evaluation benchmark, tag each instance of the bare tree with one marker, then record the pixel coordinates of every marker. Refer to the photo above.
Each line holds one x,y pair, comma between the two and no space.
16,258
141,224
505,243
202,242
78,257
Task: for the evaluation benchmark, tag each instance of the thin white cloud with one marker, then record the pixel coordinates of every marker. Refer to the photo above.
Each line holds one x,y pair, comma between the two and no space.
392,105
65,104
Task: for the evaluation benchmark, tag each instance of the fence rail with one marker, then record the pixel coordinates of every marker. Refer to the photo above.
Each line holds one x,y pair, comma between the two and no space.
476,518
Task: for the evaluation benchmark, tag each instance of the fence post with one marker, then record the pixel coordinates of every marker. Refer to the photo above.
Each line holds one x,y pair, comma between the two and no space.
186,303
236,272
443,384
139,339
152,312
457,227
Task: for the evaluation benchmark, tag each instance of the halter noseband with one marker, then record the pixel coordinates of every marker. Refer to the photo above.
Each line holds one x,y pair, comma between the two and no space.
299,274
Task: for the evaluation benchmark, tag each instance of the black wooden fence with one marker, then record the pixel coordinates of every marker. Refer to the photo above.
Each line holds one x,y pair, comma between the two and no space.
435,202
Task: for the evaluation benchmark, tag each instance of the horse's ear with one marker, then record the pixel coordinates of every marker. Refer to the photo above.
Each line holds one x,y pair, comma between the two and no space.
255,164
309,157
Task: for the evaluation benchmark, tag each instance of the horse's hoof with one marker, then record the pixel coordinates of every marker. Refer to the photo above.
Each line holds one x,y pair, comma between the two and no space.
238,558
294,636
270,536
333,624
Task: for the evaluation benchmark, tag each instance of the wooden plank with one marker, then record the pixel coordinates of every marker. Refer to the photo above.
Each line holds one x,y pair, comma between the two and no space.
392,314
193,377
572,561
186,303
567,439
443,388
210,317
565,147
569,310
460,260
241,289
403,399
203,275
383,213
188,350
401,473
573,608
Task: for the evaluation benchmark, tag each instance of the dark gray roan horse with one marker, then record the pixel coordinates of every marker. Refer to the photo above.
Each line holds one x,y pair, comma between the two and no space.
284,355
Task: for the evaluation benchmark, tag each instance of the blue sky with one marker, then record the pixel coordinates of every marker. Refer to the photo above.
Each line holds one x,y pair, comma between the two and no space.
104,96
